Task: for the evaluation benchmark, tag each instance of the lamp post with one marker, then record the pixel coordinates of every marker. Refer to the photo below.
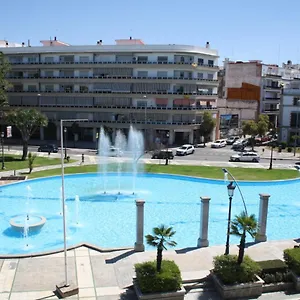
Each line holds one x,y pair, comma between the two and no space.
2,144
167,154
66,284
65,134
271,158
230,189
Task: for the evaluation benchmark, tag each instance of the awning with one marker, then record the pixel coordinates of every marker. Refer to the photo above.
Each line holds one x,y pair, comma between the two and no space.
161,101
184,102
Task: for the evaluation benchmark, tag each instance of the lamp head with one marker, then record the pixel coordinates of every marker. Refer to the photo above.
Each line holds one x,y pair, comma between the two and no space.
224,170
297,167
65,129
231,188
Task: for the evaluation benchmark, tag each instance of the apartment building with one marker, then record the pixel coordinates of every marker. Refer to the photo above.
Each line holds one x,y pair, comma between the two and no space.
157,88
252,88
289,117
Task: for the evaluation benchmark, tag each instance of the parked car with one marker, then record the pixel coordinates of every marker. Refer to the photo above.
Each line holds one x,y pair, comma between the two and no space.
185,149
163,154
240,145
218,144
232,139
48,148
245,157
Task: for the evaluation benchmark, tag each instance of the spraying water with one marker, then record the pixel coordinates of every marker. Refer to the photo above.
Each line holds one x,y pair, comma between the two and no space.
29,196
121,145
104,146
26,230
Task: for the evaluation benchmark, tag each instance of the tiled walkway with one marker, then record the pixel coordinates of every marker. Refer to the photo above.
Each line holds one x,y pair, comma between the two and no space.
107,275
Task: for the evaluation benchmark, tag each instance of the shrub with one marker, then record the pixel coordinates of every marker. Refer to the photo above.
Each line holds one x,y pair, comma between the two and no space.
229,271
283,145
31,158
269,278
151,281
289,149
292,259
272,266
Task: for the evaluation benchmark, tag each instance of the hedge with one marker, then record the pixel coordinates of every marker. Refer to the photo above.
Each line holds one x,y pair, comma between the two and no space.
292,259
229,271
151,281
272,266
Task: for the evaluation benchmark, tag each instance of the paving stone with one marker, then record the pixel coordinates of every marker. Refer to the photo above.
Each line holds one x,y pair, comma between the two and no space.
42,273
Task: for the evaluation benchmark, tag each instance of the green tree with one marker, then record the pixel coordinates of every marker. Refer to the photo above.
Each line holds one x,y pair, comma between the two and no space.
250,128
31,158
207,125
240,226
27,121
160,239
263,125
4,84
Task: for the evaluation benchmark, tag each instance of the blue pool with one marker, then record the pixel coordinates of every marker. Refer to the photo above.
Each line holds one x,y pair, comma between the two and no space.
110,220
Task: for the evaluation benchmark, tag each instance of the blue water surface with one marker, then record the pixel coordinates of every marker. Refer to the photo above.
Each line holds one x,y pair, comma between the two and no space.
109,220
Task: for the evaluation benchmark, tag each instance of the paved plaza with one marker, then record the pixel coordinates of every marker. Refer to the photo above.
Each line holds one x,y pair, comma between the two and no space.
108,275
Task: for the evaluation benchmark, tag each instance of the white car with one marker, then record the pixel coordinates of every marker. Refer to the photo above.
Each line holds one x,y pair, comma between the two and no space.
218,144
113,151
245,157
185,149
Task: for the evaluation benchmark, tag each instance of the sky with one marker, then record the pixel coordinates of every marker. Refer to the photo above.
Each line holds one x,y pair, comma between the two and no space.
266,30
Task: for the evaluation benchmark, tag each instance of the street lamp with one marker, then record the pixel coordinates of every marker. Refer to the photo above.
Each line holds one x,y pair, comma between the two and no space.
2,144
167,154
230,189
66,284
65,133
271,158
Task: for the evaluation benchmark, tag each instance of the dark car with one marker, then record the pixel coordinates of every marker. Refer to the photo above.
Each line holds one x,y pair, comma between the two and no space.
48,148
163,154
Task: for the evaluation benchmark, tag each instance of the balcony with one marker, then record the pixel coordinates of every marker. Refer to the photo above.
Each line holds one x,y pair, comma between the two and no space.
192,64
270,98
272,87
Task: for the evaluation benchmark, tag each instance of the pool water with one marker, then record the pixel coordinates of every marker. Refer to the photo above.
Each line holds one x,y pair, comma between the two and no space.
109,220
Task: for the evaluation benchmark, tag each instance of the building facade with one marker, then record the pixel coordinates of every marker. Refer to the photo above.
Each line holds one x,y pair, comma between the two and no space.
289,117
156,88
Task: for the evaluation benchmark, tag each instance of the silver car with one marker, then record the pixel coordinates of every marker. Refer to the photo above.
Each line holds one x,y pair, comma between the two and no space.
245,157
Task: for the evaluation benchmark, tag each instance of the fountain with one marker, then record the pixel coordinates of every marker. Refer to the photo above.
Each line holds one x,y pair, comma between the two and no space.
27,222
128,154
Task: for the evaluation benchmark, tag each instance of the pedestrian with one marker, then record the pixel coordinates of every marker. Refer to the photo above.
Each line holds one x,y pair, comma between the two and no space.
82,158
49,152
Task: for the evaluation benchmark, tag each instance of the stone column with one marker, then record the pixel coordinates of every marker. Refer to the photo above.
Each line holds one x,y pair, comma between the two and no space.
41,133
191,137
203,241
139,244
262,219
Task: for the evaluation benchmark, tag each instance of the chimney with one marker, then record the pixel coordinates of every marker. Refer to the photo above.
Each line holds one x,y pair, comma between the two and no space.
55,38
130,37
23,44
6,44
28,43
99,42
207,45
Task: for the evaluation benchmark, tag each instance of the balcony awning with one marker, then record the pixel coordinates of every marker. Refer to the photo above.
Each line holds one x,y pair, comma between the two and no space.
184,101
161,101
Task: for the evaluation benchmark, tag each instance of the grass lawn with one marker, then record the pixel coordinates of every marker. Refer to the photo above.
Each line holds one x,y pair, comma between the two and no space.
14,162
197,171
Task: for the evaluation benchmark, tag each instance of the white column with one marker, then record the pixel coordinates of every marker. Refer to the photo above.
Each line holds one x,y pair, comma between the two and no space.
139,244
262,219
41,133
171,137
204,214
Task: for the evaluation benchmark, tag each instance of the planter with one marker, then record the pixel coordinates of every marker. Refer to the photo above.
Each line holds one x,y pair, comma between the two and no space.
276,287
296,280
241,290
178,295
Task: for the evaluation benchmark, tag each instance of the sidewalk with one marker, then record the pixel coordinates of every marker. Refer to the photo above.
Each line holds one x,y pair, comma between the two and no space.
108,275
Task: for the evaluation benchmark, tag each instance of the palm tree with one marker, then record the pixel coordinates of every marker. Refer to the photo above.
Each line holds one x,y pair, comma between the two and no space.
240,226
160,238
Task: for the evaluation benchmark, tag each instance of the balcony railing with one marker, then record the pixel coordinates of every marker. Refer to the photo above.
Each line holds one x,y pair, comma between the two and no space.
113,77
119,63
122,92
274,98
272,87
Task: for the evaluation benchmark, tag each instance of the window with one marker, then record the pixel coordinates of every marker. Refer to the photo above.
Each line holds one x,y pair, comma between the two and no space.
141,103
162,74
295,119
48,73
210,76
49,88
83,59
83,89
142,59
84,73
162,59
210,62
200,75
31,59
49,59
142,74
296,101
200,61
32,88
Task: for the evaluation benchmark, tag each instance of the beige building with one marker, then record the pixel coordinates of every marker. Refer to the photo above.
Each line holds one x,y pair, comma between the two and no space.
158,88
